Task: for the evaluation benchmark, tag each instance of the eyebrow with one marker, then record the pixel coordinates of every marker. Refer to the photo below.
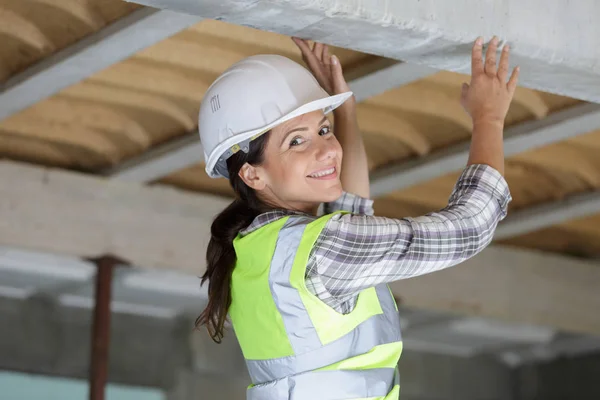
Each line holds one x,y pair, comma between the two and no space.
299,129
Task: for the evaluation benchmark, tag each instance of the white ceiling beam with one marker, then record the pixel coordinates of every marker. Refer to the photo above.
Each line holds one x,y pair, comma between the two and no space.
556,127
436,33
73,214
513,285
99,50
79,215
387,78
186,151
160,161
534,218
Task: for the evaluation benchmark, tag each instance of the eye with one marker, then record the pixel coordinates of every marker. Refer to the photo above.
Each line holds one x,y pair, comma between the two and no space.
325,130
297,141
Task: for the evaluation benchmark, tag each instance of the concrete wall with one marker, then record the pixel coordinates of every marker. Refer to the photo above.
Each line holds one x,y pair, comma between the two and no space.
42,337
576,378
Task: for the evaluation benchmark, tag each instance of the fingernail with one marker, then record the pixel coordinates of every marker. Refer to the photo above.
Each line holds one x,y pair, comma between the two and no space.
334,60
479,41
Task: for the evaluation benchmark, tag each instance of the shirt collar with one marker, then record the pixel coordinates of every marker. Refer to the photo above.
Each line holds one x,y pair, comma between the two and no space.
266,218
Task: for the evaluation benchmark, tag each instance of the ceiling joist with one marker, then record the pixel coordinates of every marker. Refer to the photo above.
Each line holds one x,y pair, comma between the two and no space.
92,54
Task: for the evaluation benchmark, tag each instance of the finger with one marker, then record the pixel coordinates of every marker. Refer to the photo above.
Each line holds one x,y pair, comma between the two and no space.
490,57
318,51
514,80
476,57
307,55
324,52
503,67
326,57
464,90
337,73
303,46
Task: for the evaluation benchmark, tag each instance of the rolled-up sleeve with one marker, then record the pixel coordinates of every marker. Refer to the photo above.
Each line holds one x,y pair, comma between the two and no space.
354,252
351,203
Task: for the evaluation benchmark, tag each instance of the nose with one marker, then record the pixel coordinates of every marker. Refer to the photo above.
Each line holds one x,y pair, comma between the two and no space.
326,149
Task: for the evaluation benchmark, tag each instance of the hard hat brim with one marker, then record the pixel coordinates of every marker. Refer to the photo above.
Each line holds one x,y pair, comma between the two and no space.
216,161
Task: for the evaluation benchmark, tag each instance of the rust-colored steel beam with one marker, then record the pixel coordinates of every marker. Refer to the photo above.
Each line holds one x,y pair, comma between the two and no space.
101,325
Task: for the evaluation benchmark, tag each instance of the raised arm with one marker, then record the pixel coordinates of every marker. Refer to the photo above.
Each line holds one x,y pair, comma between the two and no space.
328,71
354,252
486,100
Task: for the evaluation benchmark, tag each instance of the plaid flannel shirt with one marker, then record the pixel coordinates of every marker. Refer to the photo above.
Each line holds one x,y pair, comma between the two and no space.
358,250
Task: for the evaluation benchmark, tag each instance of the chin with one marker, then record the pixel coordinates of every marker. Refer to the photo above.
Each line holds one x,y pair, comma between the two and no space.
332,194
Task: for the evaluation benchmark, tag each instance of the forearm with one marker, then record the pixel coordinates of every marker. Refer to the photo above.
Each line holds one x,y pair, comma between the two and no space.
355,169
487,145
357,251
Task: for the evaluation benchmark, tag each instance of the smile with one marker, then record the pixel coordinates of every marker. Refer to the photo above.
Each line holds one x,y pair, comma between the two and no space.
328,173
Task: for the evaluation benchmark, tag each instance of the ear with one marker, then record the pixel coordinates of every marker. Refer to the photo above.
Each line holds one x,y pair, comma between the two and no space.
252,177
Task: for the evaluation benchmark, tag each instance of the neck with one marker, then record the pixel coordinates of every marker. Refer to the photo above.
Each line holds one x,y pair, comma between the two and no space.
273,201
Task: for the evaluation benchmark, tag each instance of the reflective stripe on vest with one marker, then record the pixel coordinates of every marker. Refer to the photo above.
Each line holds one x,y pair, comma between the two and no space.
375,331
356,362
329,385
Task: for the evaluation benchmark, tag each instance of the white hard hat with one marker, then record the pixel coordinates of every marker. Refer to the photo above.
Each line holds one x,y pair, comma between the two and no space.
250,98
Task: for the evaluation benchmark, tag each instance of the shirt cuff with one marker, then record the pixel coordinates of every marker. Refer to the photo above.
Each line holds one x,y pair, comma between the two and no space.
351,203
486,179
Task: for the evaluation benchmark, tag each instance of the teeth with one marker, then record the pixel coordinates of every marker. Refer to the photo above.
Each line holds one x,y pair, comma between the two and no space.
323,173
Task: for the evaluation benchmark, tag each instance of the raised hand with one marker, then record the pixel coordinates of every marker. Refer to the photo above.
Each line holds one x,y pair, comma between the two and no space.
488,96
325,67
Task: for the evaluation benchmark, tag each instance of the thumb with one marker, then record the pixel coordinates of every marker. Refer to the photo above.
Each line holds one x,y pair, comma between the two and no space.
337,75
464,90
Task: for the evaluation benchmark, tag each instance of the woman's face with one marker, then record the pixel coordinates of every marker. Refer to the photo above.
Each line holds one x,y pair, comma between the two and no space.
301,168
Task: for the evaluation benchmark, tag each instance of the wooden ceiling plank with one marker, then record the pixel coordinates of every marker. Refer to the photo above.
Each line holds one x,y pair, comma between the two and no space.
153,79
532,101
212,59
127,97
74,135
567,158
92,54
78,10
376,120
68,111
33,150
424,97
14,25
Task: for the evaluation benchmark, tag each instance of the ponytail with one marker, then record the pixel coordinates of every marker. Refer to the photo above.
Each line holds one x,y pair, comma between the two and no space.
220,260
220,254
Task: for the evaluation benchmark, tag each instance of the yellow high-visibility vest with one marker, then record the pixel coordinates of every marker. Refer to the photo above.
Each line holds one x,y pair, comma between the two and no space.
296,346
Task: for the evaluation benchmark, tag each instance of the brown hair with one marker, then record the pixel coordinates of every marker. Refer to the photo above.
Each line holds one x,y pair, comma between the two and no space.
220,255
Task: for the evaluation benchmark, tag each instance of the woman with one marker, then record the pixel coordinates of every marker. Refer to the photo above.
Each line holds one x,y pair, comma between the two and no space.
307,295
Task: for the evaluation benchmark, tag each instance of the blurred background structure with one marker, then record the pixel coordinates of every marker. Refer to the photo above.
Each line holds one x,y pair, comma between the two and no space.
103,193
